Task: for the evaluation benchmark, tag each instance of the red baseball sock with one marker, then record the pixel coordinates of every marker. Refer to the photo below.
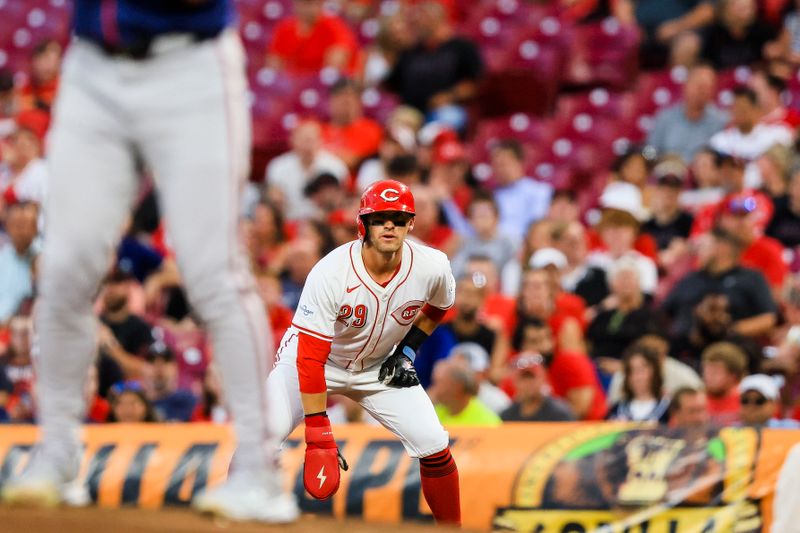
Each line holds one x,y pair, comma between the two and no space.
439,476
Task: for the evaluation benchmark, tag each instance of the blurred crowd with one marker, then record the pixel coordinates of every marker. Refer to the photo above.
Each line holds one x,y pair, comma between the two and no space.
665,289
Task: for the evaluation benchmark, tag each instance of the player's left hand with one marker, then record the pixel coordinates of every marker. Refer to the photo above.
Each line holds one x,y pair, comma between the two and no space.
398,371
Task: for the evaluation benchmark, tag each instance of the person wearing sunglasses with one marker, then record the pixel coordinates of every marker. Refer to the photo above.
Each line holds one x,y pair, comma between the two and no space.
759,397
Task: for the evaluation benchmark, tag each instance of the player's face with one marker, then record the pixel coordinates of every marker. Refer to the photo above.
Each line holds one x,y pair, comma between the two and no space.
388,230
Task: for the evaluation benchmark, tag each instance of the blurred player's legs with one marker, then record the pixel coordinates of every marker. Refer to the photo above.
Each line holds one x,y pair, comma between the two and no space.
91,191
194,133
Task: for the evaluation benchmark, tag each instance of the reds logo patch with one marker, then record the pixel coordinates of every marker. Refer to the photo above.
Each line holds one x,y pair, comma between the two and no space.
406,313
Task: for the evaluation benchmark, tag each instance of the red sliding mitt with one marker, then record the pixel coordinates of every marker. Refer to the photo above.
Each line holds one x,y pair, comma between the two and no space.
323,460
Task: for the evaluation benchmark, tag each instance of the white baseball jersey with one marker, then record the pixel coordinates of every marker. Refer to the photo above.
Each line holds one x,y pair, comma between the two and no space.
341,303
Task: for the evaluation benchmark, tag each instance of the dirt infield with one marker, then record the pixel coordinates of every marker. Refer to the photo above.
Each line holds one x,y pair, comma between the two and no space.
93,520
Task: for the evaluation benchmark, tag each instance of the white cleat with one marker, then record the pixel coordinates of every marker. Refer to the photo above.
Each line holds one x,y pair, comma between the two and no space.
246,497
46,482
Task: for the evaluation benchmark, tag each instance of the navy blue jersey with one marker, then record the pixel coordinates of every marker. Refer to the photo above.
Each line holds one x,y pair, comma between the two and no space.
130,22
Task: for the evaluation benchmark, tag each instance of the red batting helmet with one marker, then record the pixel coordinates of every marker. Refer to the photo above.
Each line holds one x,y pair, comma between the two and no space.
384,195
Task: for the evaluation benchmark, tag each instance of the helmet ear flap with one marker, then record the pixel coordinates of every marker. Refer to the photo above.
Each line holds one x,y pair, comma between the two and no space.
362,229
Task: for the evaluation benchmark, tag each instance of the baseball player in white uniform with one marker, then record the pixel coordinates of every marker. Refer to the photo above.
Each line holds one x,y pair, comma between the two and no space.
365,309
162,85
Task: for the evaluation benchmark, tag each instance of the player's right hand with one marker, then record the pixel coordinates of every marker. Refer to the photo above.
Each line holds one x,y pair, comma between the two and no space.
323,460
398,371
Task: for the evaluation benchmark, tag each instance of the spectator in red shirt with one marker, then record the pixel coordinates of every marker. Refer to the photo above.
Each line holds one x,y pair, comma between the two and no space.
17,365
498,309
724,365
537,301
40,90
312,39
570,373
349,134
762,253
769,90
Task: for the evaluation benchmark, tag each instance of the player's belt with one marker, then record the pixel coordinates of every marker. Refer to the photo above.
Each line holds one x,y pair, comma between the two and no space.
151,46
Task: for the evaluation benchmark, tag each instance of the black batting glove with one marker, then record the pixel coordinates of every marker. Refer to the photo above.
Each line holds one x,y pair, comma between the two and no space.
398,370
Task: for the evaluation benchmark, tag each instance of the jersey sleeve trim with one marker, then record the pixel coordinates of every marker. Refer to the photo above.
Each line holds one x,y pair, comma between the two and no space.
312,332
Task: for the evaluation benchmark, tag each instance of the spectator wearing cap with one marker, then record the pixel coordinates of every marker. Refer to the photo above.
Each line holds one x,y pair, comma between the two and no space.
521,200
765,254
580,278
737,36
532,401
619,228
439,74
288,174
689,409
349,134
675,374
620,319
537,299
39,92
732,175
478,360
469,325
455,396
759,397
643,398
670,225
751,304
172,403
130,405
124,337
687,126
553,263
746,137
23,172
785,223
724,366
486,240
449,170
769,90
570,373
17,258
311,39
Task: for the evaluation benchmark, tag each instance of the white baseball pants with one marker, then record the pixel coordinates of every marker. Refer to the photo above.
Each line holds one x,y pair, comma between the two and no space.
408,412
183,113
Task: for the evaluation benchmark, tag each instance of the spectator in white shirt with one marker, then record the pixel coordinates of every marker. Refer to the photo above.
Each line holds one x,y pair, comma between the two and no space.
288,174
23,173
747,138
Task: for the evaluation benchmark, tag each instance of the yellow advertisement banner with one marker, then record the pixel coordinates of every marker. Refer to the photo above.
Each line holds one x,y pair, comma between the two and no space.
537,478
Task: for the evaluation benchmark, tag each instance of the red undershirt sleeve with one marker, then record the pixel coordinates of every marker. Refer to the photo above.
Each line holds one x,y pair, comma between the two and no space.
312,353
434,313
